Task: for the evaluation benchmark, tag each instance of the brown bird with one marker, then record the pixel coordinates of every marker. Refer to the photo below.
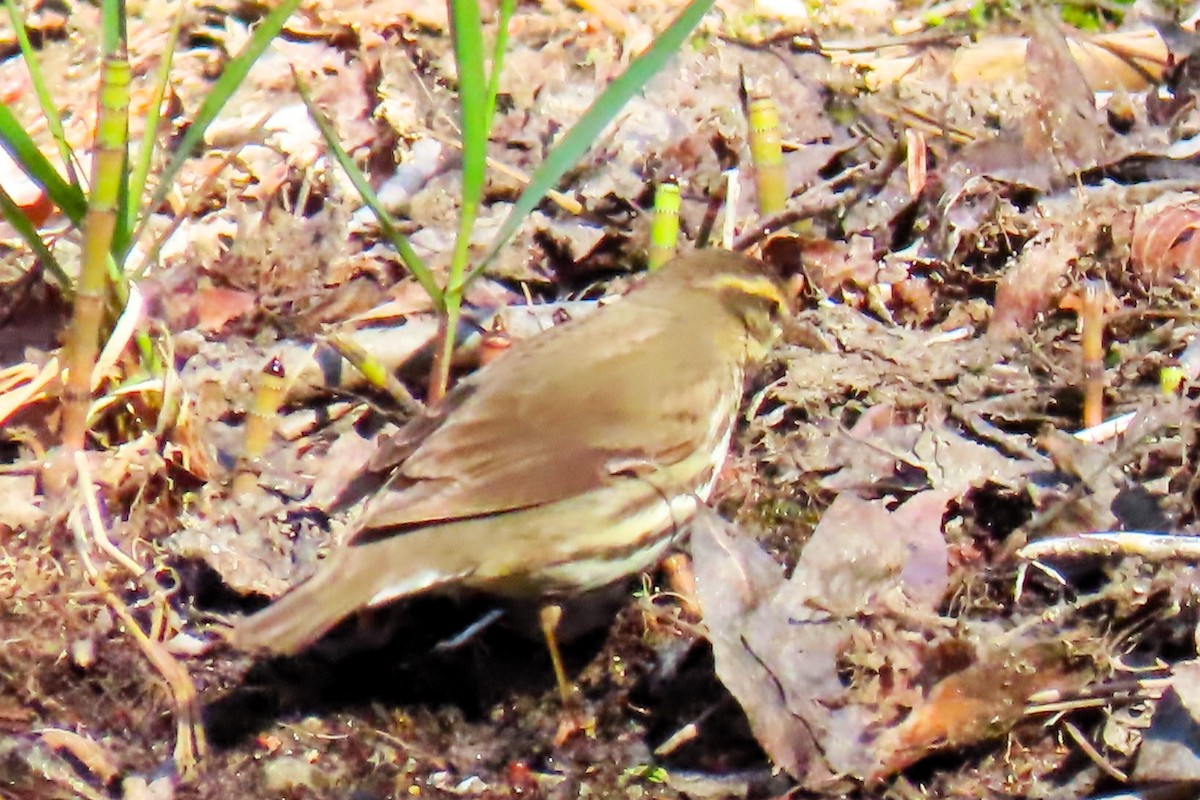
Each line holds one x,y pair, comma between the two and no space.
570,463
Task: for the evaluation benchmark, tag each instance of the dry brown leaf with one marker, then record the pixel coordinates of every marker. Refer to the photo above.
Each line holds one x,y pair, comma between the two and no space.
1104,60
215,307
982,701
1100,59
734,579
882,445
1171,749
20,500
831,264
1062,123
1034,282
778,644
30,198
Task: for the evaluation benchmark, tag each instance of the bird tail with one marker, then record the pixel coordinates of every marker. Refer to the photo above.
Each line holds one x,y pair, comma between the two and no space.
353,578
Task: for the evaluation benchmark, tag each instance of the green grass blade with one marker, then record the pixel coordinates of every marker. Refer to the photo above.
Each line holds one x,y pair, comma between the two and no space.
145,155
407,254
570,148
499,48
45,99
235,72
467,30
467,33
15,217
25,152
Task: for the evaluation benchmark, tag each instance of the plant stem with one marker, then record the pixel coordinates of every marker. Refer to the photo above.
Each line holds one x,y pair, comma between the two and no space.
112,129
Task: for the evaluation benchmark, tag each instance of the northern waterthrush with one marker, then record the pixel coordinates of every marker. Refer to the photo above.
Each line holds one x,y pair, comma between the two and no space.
573,461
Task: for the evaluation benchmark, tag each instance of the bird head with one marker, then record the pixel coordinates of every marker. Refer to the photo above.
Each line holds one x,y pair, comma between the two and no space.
748,289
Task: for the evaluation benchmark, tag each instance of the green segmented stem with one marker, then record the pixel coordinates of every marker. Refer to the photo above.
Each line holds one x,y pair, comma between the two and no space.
108,171
664,229
766,150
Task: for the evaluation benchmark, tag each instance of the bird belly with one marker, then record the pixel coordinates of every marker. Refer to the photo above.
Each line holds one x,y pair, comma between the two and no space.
659,525
598,538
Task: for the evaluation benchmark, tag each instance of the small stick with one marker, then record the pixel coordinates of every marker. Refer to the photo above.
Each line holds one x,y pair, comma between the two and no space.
1092,322
260,424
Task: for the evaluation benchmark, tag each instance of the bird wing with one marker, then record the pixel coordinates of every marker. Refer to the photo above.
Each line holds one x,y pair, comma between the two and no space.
620,398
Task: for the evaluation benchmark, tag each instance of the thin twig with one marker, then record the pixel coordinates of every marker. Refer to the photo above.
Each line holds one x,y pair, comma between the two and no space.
99,531
190,743
813,201
1091,752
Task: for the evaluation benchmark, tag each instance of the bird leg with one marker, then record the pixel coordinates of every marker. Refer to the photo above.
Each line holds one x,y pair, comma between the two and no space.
574,721
549,616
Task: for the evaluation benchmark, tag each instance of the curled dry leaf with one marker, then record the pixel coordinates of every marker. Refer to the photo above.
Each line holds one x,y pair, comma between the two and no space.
853,273
982,701
1062,122
1165,247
